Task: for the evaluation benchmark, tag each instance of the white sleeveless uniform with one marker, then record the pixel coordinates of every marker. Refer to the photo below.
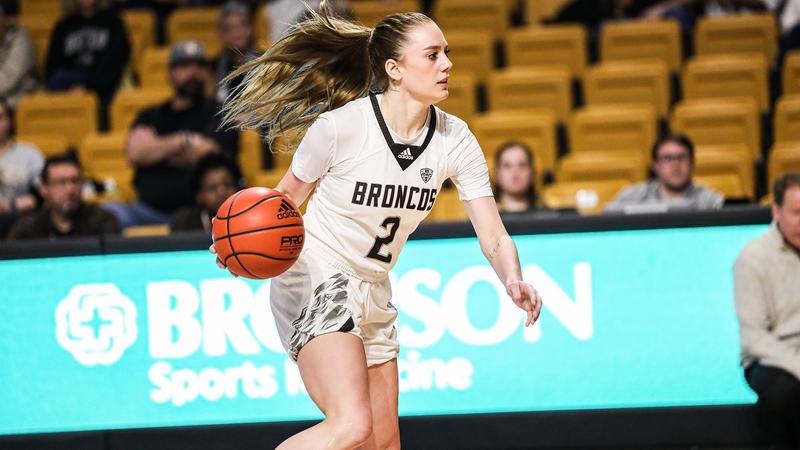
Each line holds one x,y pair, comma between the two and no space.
368,199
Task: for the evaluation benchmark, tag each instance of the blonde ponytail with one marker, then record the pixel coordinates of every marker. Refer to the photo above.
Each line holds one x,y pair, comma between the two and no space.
320,64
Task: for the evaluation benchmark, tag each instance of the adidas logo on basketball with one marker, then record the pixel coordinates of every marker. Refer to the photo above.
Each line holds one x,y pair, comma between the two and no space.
286,211
406,154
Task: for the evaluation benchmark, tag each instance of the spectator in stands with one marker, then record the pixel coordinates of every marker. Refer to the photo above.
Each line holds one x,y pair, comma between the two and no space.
685,12
89,49
672,187
166,141
282,14
214,180
767,290
64,213
727,7
10,7
17,61
515,178
236,34
20,165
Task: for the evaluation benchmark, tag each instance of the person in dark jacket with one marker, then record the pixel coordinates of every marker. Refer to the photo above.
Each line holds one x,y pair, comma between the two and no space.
89,49
235,30
167,141
65,213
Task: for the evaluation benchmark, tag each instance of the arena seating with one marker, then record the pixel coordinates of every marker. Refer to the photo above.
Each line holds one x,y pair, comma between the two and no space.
516,75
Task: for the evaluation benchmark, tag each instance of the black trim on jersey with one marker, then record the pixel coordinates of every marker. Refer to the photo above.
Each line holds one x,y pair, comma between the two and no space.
404,154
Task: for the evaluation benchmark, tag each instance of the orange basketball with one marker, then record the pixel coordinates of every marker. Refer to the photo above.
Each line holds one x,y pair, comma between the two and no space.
258,233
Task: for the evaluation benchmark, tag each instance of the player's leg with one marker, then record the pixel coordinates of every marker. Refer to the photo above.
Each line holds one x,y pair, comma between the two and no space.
381,347
383,389
334,371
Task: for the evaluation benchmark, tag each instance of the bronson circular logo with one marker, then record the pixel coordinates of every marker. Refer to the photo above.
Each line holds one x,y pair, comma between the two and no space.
96,323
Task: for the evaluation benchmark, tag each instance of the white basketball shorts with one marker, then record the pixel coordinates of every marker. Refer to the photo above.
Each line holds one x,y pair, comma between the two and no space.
320,294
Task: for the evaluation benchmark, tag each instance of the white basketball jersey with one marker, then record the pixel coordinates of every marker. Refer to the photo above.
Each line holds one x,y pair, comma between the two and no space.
371,196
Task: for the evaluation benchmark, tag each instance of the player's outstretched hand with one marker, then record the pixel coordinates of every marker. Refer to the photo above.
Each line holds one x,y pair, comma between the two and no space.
526,297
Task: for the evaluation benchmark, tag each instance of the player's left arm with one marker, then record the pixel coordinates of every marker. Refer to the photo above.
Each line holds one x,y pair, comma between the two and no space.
501,252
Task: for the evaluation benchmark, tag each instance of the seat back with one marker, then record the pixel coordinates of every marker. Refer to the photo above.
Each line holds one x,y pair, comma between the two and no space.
546,87
642,39
73,115
548,45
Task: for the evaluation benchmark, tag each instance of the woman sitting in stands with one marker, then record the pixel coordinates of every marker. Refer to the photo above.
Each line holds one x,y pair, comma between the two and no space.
515,178
20,165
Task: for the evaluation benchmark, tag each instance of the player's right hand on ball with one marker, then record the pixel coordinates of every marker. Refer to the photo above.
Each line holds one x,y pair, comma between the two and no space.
220,264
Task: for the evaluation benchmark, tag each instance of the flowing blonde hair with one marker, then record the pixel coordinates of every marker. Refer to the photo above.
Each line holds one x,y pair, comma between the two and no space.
320,64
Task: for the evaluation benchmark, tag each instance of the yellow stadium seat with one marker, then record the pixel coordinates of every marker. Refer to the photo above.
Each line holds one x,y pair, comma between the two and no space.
462,100
103,157
642,39
104,150
728,184
141,25
250,155
471,15
50,144
624,129
448,207
128,103
251,159
588,197
370,12
725,160
531,87
39,27
745,33
791,73
146,231
535,128
72,114
539,10
784,158
719,76
629,82
472,52
719,121
268,178
261,27
196,24
154,67
787,119
30,7
548,45
591,166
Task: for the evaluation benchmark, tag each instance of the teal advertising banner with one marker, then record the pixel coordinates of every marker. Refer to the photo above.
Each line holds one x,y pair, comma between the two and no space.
639,318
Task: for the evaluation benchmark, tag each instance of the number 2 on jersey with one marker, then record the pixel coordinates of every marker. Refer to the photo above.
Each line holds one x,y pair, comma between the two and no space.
391,224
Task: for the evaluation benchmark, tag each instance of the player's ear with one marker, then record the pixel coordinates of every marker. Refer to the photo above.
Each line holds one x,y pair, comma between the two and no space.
393,70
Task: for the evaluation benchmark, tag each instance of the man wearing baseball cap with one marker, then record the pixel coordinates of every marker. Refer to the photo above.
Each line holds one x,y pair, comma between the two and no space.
167,140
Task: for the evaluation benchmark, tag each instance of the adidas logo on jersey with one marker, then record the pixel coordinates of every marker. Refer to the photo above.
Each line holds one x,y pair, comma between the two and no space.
286,210
406,154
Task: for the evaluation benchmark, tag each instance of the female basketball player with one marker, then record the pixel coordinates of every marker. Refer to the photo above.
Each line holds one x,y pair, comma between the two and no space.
377,163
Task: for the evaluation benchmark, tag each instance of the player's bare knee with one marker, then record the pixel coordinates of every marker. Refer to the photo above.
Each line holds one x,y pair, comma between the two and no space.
353,429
